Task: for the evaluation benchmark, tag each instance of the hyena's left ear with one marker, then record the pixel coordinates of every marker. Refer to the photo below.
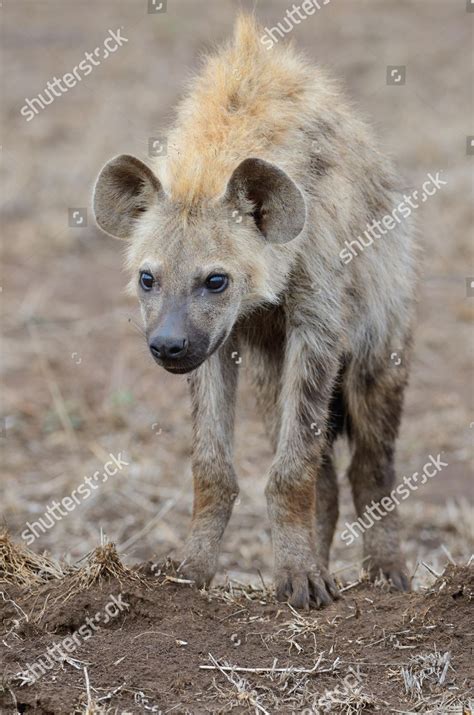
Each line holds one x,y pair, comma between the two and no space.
125,188
279,208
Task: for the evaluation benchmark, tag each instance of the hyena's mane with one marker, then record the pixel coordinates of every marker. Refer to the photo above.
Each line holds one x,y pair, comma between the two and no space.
245,102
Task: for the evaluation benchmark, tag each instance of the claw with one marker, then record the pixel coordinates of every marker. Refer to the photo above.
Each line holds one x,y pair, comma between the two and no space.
306,588
399,580
283,589
333,589
300,596
319,592
395,574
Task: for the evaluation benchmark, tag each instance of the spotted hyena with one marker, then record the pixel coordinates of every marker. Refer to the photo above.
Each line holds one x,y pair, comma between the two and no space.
247,236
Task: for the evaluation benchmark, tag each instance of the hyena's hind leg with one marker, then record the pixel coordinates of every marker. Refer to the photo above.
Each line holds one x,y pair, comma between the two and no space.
375,398
327,490
327,506
266,376
266,342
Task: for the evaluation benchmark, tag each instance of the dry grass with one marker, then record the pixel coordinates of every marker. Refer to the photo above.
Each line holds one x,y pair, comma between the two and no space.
22,567
425,669
102,564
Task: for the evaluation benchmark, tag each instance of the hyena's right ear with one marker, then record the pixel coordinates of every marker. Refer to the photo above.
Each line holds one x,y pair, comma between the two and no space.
125,188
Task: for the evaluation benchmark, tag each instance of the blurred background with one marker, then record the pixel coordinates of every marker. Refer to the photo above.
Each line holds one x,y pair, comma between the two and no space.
77,380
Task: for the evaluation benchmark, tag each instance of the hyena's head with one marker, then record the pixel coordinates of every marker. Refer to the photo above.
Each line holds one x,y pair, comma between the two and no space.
198,268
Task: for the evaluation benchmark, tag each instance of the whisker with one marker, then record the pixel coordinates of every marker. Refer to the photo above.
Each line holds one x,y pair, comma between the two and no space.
137,327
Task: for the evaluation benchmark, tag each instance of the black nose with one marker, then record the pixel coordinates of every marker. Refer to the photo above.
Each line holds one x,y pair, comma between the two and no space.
165,347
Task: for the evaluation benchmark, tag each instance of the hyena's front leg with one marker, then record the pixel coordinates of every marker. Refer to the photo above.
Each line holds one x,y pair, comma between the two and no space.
300,574
213,388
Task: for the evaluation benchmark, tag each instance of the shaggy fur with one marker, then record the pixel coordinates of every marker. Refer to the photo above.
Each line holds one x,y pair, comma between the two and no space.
269,173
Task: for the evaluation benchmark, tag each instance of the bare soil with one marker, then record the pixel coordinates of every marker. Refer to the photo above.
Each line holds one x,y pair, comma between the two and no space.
173,648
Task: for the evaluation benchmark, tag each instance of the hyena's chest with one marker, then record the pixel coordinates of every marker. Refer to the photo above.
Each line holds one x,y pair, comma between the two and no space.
264,332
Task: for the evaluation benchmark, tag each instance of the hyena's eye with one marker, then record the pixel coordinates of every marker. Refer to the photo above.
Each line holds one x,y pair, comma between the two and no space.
217,282
146,280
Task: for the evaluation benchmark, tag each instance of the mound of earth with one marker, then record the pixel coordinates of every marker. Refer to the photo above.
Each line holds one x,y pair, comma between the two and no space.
107,639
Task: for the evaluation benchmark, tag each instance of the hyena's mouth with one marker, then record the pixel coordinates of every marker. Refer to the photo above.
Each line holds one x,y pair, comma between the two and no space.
181,369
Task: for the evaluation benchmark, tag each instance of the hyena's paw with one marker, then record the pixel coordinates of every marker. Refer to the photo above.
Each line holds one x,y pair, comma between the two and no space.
198,563
305,586
394,571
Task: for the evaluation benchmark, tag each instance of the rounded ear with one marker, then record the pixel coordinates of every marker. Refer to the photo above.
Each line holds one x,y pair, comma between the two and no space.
279,209
125,188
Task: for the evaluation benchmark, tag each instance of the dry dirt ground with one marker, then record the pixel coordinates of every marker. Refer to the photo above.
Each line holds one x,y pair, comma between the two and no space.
157,645
78,384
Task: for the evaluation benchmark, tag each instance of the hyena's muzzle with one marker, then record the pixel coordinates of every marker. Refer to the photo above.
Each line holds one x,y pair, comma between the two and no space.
176,344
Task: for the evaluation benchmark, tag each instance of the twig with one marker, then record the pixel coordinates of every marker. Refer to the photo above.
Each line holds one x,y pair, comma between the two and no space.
448,554
88,691
265,588
351,585
242,669
231,615
430,569
18,608
111,694
175,579
236,684
73,661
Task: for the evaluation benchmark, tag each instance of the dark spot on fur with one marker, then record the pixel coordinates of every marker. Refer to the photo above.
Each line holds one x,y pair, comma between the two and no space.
319,166
233,103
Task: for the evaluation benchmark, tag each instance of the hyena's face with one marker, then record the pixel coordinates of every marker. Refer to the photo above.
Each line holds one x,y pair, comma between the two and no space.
196,270
190,282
